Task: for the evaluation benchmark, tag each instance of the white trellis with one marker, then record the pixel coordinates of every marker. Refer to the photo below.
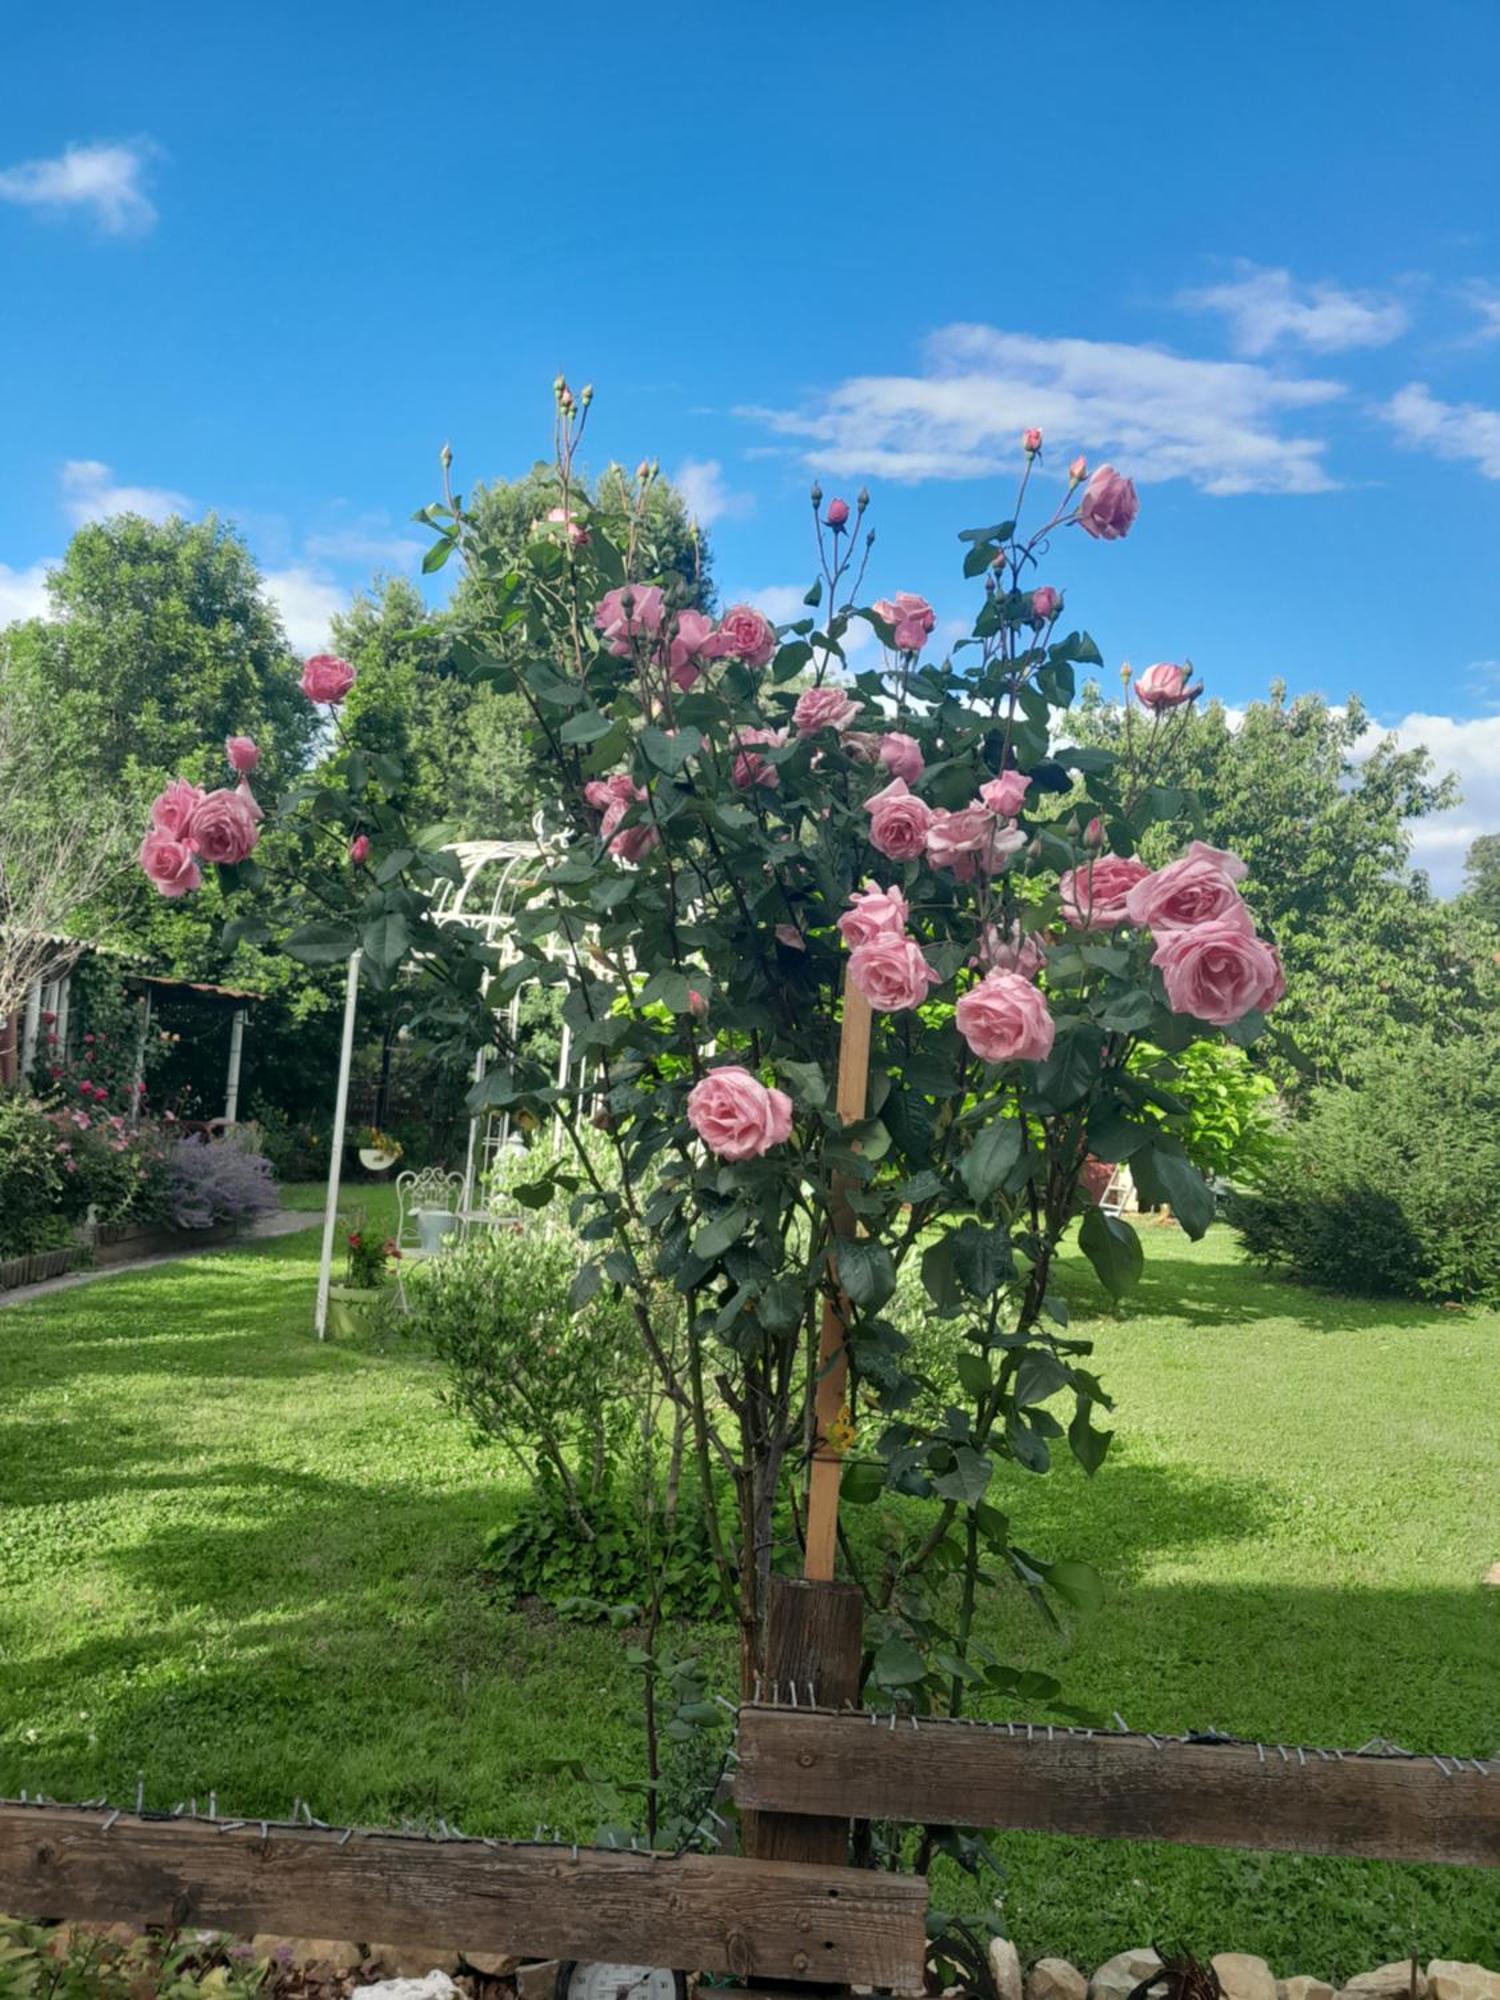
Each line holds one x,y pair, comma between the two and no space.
483,899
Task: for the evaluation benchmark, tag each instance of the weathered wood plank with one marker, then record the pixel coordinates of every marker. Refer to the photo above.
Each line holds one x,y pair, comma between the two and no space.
761,1919
1120,1787
814,1632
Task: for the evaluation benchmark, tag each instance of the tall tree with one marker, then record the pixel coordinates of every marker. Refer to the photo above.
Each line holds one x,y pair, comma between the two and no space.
1482,878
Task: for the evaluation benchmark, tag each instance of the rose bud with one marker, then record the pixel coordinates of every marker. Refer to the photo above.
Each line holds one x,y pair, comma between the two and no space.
1078,471
359,849
1045,603
1031,441
837,515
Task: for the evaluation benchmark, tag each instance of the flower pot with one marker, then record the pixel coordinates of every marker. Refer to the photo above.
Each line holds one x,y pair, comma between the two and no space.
433,1225
375,1161
351,1309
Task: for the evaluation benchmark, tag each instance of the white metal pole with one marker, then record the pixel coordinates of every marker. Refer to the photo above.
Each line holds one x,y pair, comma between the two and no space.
64,994
232,1081
336,1148
138,1075
479,1067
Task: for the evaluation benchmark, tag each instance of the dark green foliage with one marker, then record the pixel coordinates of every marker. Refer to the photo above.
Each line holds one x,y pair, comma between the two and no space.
599,1553
1391,1184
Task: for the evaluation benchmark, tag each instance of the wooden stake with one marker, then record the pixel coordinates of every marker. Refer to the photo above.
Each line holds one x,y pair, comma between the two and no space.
833,1364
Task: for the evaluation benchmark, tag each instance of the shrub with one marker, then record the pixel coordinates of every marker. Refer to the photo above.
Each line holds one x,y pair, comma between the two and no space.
217,1180
545,1381
31,1180
597,1554
1391,1184
1226,1126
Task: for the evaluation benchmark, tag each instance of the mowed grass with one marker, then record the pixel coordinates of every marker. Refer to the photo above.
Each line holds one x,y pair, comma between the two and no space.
231,1558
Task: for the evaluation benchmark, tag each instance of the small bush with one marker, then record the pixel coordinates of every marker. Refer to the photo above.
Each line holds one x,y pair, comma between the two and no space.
31,1182
1391,1184
217,1180
598,1554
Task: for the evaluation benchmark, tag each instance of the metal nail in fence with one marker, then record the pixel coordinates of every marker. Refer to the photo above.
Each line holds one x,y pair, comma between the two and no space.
1441,1765
1154,1741
1121,1724
110,1821
1260,1751
140,1794
757,1687
213,1805
345,1836
265,1831
791,1688
1301,1759
724,1702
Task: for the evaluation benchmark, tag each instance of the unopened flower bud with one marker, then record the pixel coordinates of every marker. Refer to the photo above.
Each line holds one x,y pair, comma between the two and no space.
837,515
1125,673
862,498
559,385
1034,852
445,456
817,494
643,472
1031,441
1093,833
1078,471
588,394
998,563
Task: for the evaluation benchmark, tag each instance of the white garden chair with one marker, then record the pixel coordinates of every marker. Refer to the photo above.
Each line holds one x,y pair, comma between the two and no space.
428,1201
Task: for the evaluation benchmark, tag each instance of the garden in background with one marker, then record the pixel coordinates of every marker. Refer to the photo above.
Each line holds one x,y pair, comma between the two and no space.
995,1129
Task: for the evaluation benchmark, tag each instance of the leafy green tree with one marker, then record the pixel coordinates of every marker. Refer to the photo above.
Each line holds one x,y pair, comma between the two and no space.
1323,821
1482,878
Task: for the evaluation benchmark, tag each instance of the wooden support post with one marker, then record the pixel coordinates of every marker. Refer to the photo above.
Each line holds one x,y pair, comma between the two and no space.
833,1366
814,1633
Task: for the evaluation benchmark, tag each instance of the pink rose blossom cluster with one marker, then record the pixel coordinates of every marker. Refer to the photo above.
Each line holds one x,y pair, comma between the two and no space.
910,617
979,839
750,769
613,797
736,1115
636,613
189,826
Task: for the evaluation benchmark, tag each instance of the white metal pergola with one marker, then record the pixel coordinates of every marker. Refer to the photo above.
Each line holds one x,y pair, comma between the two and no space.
483,899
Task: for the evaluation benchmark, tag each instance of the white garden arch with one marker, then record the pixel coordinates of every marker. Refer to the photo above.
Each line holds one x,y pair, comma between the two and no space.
483,898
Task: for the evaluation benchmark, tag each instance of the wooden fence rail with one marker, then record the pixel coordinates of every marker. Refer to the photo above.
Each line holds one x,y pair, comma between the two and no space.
759,1919
1125,1787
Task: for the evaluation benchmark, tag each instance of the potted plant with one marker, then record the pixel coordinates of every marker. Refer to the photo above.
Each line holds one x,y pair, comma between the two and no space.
378,1152
369,1259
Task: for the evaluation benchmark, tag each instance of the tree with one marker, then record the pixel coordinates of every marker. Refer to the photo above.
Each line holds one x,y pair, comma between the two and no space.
1323,822
1482,878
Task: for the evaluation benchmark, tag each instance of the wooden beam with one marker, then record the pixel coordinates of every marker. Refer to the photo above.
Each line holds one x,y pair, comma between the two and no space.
760,1919
814,1635
1120,1787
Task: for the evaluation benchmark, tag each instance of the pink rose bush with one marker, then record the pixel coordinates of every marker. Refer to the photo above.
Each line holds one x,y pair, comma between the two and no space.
761,854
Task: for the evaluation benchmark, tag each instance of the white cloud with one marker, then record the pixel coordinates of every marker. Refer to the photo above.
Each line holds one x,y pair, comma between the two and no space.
1465,431
23,592
1469,746
1161,415
90,493
1485,301
707,498
1266,308
369,544
308,602
106,180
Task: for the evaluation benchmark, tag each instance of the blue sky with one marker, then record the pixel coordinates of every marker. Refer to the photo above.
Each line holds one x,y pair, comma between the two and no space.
267,260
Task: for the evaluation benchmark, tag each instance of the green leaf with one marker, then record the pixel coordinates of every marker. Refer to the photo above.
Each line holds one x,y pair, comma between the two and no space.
982,1258
1039,1376
809,1082
990,1158
897,1664
393,863
586,727
979,558
780,1306
1114,1250
585,1284
1087,1445
939,1276
1171,1177
969,1478
717,1236
865,1270
322,943
863,1481
974,1372
1000,532
438,554
386,939
671,988
1076,1583
670,752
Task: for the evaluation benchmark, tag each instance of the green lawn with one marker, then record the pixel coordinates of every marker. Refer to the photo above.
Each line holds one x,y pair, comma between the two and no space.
232,1558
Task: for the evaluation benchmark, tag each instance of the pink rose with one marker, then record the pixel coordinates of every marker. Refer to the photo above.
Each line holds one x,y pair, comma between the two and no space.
1219,972
1227,863
577,534
790,936
970,842
1013,950
824,708
1108,508
613,797
223,828
837,515
1031,441
1045,603
248,799
901,755
874,912
891,973
325,677
168,863
1093,897
697,1004
749,769
898,822
242,753
1006,794
359,849
744,634
632,612
686,649
863,745
1164,686
1185,893
910,617
172,810
1005,1019
736,1116
634,843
